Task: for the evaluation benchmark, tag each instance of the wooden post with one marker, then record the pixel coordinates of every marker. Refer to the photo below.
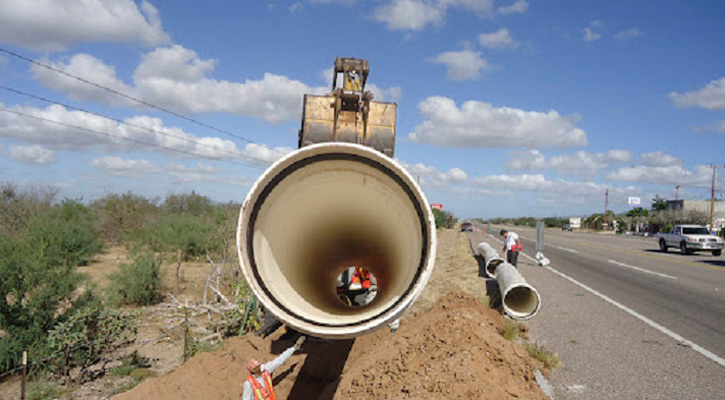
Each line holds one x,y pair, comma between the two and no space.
186,333
25,373
178,269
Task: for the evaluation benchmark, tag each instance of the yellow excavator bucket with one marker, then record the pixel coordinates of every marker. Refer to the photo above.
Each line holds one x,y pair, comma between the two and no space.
348,114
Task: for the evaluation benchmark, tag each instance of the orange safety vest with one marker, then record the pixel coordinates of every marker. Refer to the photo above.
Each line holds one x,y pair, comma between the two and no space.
362,277
263,393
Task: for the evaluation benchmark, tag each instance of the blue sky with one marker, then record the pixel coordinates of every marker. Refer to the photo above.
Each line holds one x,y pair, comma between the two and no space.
505,107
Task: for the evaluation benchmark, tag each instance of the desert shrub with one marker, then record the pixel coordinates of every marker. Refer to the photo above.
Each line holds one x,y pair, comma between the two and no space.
18,206
38,277
444,219
138,283
86,338
192,236
190,204
122,215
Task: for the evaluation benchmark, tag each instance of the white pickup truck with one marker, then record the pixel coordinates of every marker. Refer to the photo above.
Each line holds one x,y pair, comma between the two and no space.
690,238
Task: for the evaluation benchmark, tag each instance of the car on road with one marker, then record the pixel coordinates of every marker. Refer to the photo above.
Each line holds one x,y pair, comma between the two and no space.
690,238
466,227
566,227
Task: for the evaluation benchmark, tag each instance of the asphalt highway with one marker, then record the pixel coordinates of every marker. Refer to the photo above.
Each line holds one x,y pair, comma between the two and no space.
628,321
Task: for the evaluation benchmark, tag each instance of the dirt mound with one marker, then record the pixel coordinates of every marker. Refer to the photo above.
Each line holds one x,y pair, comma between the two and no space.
454,350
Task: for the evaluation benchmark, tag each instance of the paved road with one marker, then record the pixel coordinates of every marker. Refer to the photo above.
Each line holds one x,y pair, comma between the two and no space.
628,321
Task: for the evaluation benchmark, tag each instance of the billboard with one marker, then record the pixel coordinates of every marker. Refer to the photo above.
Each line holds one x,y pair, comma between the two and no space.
634,202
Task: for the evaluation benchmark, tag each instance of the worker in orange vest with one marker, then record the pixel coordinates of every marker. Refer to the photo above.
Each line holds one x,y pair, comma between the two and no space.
360,278
258,385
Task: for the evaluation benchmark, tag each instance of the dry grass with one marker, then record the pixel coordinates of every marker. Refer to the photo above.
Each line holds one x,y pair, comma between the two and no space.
547,357
511,330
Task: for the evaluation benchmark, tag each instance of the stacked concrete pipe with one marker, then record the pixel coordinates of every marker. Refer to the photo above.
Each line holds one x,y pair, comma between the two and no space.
321,210
520,300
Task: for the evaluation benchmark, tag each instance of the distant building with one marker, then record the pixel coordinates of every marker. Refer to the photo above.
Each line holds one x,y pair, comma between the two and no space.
692,205
703,206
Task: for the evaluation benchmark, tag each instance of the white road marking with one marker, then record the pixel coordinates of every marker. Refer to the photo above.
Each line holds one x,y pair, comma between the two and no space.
641,269
565,249
681,340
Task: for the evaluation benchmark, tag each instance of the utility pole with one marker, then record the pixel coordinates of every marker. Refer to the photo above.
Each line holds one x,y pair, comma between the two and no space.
606,205
712,194
677,191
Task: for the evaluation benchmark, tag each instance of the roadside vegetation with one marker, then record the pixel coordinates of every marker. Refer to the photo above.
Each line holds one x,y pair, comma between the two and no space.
71,328
654,219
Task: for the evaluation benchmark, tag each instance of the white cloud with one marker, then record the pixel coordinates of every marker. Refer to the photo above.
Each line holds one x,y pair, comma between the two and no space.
200,173
91,69
32,154
519,7
176,78
718,126
263,155
295,8
628,34
118,166
659,159
619,155
385,94
500,39
700,176
113,136
711,97
462,65
581,162
432,177
479,124
54,25
414,15
590,35
409,14
538,183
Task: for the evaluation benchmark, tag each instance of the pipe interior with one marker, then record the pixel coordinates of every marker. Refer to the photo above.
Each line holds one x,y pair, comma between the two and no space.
522,301
491,266
326,217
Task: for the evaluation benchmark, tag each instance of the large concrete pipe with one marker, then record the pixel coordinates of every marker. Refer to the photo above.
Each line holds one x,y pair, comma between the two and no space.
520,300
490,257
321,210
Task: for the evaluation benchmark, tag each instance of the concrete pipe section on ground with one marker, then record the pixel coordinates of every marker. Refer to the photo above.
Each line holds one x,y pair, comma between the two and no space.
520,300
320,211
490,258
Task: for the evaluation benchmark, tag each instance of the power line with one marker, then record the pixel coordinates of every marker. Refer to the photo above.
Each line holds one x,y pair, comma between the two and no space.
196,142
125,138
132,98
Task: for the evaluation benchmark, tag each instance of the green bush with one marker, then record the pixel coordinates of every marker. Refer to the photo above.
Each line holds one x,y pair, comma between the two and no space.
122,215
138,283
444,219
191,235
85,338
38,277
190,204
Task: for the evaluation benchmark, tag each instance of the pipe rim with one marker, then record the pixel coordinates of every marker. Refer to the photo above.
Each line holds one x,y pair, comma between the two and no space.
319,153
518,315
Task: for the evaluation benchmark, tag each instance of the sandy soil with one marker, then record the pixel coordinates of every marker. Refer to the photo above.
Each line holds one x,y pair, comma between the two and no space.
449,346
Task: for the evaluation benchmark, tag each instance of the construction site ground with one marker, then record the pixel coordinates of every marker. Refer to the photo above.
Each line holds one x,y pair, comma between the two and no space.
449,346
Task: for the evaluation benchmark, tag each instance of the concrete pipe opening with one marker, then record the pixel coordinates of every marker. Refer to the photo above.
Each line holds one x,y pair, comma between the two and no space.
490,257
521,301
325,209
